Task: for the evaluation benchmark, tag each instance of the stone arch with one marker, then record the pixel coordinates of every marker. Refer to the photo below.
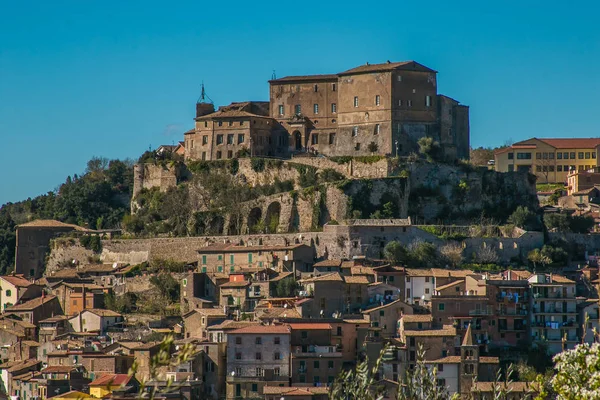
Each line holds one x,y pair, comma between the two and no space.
255,220
216,225
272,216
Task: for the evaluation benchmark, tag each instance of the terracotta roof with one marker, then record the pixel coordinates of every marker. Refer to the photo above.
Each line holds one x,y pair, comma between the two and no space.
305,78
64,273
417,318
279,312
449,285
332,277
413,272
513,387
280,276
237,284
30,305
445,360
290,390
20,365
561,279
57,318
207,311
87,286
111,380
230,325
357,321
361,271
385,67
572,143
307,326
385,306
489,360
328,263
49,223
454,273
16,280
361,279
30,343
102,312
58,369
262,329
347,264
147,346
447,330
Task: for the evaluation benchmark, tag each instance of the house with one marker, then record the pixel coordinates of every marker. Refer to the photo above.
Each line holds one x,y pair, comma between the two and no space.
95,320
420,285
315,360
35,310
76,297
295,392
106,384
326,266
72,395
550,159
384,319
15,288
218,333
512,390
589,319
438,342
198,320
328,294
60,379
257,356
10,370
235,297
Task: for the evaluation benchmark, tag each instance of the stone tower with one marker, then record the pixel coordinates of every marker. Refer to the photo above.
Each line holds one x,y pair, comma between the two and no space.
469,362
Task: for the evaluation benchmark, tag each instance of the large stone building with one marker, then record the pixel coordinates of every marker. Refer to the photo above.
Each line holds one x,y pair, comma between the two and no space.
371,109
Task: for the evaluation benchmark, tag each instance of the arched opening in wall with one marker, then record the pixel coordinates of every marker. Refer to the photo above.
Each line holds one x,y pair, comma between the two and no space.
295,219
297,140
215,227
255,223
272,217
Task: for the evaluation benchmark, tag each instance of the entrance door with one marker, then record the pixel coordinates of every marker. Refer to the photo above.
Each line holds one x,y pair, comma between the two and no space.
298,140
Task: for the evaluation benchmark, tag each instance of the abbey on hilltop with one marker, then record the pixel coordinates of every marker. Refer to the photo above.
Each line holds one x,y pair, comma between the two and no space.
381,109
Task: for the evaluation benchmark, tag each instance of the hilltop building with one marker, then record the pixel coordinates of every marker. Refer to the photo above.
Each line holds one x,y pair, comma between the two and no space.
371,109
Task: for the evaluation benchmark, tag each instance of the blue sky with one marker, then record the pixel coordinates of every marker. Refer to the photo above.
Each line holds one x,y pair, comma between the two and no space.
111,78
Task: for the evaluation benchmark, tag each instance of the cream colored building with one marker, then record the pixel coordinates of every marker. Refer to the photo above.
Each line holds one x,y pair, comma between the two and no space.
549,159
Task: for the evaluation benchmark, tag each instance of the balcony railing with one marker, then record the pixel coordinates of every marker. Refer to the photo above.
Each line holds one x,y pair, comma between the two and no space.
512,311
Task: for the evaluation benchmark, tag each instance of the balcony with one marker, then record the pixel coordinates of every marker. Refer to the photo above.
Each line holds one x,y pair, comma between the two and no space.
512,311
481,312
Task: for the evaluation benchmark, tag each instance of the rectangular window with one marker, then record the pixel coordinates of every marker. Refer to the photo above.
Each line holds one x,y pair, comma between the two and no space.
551,156
331,138
330,364
230,138
315,138
511,168
354,130
192,143
258,356
427,101
377,100
219,155
545,155
593,154
572,155
333,108
249,258
399,77
399,103
357,147
230,123
409,103
258,340
220,123
219,139
203,155
355,101
238,340
381,313
316,365
304,334
559,168
276,371
580,155
588,155
281,109
206,124
205,139
277,356
559,156
376,131
240,138
551,168
333,87
523,156
229,153
441,307
538,156
276,340
315,108
238,356
297,109
538,168
316,88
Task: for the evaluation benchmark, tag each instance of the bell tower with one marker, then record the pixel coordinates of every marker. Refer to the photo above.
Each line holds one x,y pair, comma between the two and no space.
469,362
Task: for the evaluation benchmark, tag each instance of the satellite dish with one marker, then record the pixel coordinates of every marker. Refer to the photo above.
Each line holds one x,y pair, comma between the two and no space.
285,305
115,265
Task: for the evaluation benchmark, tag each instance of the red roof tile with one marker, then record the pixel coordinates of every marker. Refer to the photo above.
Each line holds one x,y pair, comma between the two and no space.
262,329
111,380
17,280
307,326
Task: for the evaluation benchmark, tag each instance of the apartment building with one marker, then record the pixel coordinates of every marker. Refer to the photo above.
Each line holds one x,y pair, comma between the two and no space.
549,159
553,305
257,356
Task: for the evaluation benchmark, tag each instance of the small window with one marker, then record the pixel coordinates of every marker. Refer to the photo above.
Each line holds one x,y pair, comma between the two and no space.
354,130
357,146
9,293
316,365
355,101
559,156
205,139
277,356
511,156
230,138
276,340
441,307
580,155
427,101
399,78
409,103
258,356
238,340
333,108
333,87
206,124
220,123
377,100
298,109
588,155
315,138
376,130
258,340
315,108
219,139
304,334
331,138
399,103
219,155
572,155
240,138
381,313
238,356
281,109
316,88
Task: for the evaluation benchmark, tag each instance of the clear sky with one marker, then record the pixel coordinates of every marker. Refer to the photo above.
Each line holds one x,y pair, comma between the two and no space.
108,78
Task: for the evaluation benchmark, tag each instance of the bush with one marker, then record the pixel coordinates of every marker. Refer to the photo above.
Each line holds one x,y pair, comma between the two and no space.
330,175
524,218
257,164
234,166
91,242
395,252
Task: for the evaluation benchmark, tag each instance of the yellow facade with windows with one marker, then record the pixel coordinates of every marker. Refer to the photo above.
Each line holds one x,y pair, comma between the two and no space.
549,159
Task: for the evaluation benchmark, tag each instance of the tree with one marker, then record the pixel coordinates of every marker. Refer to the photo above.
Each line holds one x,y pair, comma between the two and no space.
524,218
372,147
395,252
537,257
422,254
167,286
7,241
486,255
286,288
452,253
581,224
558,221
429,148
577,373
481,155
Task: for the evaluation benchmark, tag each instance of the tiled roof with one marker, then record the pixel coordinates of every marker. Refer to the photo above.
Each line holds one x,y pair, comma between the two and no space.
347,264
30,305
361,271
447,330
332,277
111,380
102,312
356,321
417,318
207,311
454,273
262,329
513,387
231,324
58,369
561,279
307,326
445,360
289,390
238,284
64,273
367,68
49,223
384,306
328,263
279,312
30,343
305,78
489,360
360,279
87,286
449,285
413,272
280,276
572,143
16,280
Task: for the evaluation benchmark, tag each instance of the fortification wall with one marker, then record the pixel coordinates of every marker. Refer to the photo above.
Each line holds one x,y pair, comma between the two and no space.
148,176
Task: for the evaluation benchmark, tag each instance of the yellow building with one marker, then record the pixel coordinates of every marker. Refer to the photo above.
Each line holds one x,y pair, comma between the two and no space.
72,395
106,384
549,159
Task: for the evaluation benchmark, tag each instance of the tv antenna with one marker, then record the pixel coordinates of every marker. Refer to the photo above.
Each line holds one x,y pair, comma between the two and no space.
204,96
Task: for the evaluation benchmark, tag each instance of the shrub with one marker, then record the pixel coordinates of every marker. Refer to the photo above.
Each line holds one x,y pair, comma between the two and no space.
524,218
257,164
234,166
395,252
330,175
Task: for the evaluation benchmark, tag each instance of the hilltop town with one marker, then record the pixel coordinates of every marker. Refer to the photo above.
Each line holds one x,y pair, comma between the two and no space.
282,243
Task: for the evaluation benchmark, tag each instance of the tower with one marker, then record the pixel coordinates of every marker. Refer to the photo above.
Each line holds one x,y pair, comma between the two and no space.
204,107
469,362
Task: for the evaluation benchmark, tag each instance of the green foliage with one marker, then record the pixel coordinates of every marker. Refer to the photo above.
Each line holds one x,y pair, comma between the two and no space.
553,198
163,266
395,252
330,175
341,159
286,288
423,254
443,232
7,241
91,242
308,175
234,166
151,156
372,147
167,286
567,223
548,187
524,218
429,148
123,304
538,258
257,164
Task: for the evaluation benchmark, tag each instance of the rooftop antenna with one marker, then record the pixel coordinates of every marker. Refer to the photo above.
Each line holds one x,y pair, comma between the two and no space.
204,96
273,76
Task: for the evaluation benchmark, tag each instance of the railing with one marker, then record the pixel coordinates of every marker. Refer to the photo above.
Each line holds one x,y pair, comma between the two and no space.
276,378
317,354
480,312
511,311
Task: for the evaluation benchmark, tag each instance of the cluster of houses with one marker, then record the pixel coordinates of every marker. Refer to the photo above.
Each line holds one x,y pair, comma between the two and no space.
269,322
